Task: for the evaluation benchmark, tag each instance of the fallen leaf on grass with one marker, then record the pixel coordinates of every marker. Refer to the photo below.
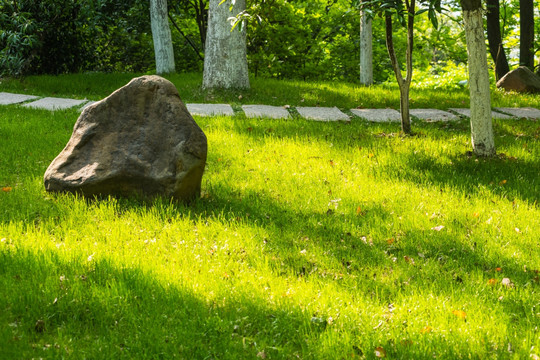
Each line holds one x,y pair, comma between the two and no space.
438,228
502,182
7,188
492,282
390,241
380,352
261,355
460,314
426,330
476,214
498,269
409,260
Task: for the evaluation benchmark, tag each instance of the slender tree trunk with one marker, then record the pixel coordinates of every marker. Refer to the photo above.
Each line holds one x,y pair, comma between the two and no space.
404,83
161,34
495,40
481,126
225,60
526,33
404,109
366,50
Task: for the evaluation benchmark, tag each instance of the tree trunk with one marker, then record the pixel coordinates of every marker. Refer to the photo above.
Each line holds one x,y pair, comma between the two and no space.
225,61
404,83
366,50
481,126
161,34
404,109
495,40
526,33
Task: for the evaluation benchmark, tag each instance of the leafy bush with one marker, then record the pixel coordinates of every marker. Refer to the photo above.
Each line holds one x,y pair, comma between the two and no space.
443,75
65,36
18,39
316,40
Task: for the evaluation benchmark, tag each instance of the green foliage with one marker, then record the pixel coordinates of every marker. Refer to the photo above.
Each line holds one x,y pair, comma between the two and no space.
118,35
442,76
63,36
309,40
18,39
52,32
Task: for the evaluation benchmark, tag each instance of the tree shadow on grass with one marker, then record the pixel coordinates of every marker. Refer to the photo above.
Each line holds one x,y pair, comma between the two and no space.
59,307
101,309
504,177
144,316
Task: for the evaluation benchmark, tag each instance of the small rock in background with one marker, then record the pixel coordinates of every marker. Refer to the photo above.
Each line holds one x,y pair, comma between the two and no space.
520,80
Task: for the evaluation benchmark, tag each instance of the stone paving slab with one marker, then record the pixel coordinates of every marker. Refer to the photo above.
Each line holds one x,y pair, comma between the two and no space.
530,113
378,115
433,115
87,105
265,111
8,98
467,113
210,109
51,103
322,113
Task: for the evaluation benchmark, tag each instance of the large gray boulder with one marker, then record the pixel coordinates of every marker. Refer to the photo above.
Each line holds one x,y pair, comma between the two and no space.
140,141
521,80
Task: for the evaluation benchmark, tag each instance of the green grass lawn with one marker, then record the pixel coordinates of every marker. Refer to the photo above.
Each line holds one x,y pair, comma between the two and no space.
310,240
95,86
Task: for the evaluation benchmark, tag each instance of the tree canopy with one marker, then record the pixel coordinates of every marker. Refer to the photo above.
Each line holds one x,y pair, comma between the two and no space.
312,40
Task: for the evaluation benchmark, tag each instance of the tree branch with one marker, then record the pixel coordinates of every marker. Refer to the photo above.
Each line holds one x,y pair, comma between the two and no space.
410,39
185,37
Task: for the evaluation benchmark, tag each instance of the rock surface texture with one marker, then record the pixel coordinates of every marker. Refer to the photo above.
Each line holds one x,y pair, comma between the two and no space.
520,80
139,141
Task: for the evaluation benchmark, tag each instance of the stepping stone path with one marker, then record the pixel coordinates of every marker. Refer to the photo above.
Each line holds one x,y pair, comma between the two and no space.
281,112
210,109
322,114
529,113
433,115
51,103
378,115
265,111
467,113
8,98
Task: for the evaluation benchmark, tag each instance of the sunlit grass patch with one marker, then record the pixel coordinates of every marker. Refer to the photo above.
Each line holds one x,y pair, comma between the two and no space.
310,240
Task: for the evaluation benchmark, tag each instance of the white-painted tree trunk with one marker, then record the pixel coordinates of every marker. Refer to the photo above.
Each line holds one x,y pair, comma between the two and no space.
161,34
366,50
481,125
225,59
